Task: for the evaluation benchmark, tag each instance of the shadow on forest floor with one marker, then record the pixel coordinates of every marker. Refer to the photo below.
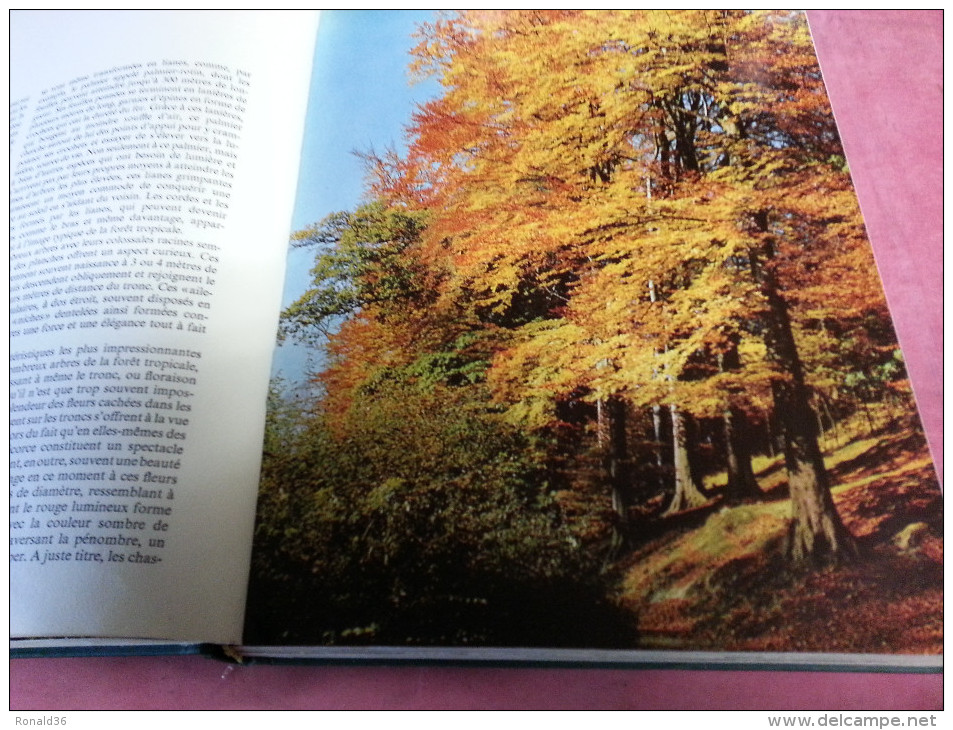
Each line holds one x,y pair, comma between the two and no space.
719,579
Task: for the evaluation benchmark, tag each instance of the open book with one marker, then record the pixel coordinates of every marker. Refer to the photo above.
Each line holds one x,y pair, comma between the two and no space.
593,365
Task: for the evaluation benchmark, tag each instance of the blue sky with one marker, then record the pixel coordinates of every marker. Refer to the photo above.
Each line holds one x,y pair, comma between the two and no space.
361,99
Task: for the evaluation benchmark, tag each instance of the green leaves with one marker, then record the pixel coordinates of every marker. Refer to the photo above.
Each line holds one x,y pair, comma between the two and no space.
419,512
363,259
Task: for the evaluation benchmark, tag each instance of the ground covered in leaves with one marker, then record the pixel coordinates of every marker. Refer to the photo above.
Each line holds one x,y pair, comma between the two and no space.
721,581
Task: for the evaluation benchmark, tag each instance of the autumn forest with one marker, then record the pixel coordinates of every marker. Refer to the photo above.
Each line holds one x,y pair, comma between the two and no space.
607,363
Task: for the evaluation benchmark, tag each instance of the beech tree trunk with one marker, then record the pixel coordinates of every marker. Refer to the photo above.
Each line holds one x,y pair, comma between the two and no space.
612,440
657,430
742,484
817,534
657,409
618,454
687,493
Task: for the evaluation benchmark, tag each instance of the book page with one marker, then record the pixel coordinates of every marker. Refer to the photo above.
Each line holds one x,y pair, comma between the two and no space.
153,165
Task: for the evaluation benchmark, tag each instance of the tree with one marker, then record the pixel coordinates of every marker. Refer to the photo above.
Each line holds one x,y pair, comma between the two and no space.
577,155
687,493
363,260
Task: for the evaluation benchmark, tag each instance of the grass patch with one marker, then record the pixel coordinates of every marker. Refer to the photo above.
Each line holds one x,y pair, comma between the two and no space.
727,584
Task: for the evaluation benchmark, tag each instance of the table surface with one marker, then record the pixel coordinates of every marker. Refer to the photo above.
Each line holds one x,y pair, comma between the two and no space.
885,77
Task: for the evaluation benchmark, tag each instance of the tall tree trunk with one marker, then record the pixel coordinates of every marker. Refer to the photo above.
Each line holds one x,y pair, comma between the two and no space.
817,534
617,456
656,409
831,422
821,436
612,418
742,484
657,429
687,493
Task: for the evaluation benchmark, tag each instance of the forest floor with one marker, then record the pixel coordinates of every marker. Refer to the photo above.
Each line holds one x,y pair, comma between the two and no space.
721,580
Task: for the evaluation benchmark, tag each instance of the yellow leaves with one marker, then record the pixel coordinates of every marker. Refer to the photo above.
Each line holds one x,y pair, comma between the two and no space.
548,359
539,359
594,177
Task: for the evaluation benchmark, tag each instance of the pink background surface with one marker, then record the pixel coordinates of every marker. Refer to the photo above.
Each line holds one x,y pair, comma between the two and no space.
885,77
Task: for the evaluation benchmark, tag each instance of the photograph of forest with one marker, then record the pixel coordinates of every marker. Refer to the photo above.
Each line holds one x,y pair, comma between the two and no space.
606,363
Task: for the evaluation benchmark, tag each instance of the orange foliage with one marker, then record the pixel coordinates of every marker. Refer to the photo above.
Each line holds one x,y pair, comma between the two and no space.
610,163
